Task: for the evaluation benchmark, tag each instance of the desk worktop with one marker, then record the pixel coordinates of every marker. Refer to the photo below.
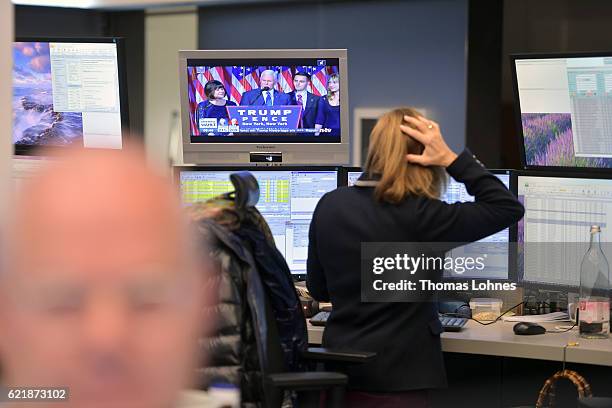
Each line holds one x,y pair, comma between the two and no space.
498,339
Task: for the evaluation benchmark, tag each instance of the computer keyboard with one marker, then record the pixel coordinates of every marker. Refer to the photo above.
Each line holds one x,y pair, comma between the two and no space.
450,324
319,319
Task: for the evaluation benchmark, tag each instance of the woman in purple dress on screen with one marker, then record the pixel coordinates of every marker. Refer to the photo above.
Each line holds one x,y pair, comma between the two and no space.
214,106
328,115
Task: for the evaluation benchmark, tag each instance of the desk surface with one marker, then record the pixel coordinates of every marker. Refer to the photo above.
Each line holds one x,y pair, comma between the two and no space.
499,340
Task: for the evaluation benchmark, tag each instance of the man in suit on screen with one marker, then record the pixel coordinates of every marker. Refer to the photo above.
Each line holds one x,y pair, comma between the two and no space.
309,101
266,95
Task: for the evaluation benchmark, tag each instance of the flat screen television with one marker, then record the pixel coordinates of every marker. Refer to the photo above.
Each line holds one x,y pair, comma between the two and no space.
264,106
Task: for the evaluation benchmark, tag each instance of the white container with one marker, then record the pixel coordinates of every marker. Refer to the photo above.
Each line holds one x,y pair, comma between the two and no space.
486,309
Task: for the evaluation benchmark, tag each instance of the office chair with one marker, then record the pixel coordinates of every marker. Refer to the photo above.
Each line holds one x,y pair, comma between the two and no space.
307,385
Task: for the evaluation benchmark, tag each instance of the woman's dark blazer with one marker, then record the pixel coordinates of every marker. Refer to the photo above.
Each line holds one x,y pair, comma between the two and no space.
405,336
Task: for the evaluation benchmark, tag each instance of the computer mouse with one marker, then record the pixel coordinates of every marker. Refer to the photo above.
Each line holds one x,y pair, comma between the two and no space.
528,328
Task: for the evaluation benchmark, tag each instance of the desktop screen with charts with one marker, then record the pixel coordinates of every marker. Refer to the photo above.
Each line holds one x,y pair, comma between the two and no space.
554,235
287,201
66,94
565,105
497,246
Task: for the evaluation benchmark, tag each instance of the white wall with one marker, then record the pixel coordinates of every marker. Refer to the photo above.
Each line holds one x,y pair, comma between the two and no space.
166,32
6,65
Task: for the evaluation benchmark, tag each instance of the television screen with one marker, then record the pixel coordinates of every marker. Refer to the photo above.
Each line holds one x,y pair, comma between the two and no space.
285,100
66,93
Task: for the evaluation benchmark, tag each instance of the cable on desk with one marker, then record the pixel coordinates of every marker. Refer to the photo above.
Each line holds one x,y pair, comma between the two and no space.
500,316
487,322
562,331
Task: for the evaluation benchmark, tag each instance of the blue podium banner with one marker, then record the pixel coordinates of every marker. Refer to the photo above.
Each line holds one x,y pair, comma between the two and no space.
265,119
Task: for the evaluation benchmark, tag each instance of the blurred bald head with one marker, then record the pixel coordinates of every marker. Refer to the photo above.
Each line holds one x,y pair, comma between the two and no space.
102,291
96,204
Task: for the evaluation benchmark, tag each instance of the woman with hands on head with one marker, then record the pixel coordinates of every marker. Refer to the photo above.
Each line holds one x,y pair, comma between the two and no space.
397,200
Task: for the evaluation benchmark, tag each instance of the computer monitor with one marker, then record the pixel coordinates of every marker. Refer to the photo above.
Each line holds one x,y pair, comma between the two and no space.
351,175
264,106
497,246
563,104
553,236
68,92
288,197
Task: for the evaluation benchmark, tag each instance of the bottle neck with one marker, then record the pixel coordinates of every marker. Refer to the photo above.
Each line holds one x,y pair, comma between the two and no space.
595,240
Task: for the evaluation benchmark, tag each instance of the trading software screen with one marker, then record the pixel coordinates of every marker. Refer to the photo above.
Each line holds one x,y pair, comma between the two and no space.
566,110
289,100
559,212
66,94
287,201
496,246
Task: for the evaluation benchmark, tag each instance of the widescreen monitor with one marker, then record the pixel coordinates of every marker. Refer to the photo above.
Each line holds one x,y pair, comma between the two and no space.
264,106
68,92
564,110
554,234
288,197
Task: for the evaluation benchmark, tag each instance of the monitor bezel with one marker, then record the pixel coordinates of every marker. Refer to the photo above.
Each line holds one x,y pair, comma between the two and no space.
237,153
537,173
517,109
34,150
176,170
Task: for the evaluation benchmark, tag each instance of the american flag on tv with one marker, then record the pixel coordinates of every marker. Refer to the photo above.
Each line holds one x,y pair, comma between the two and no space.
318,77
239,79
285,79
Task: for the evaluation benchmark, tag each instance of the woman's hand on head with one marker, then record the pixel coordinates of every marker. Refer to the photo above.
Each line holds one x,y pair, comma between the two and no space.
436,152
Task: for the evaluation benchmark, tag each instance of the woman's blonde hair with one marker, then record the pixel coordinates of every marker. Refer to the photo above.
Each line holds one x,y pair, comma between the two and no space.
387,159
334,77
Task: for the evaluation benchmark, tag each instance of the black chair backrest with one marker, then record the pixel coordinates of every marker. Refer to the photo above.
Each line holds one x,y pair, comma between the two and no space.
246,189
272,358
